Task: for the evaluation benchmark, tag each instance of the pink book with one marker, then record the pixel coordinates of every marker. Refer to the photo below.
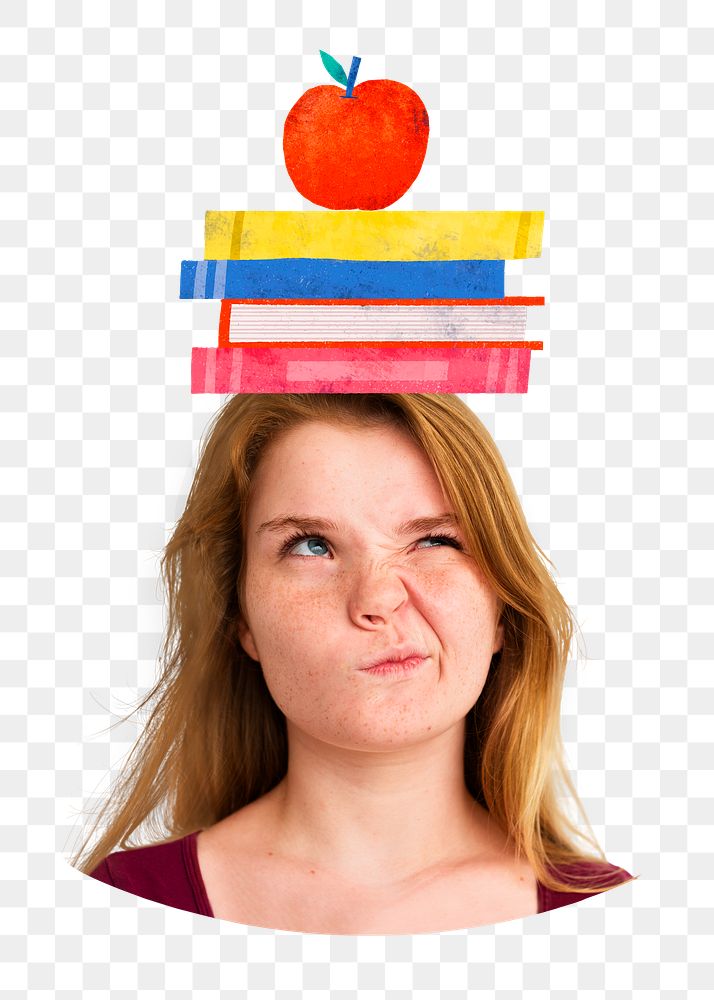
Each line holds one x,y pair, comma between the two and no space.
447,368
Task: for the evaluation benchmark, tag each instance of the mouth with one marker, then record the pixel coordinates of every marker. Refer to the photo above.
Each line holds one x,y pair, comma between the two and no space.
396,667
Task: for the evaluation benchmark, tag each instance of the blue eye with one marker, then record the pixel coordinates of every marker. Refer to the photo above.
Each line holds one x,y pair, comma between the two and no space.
453,542
309,540
301,538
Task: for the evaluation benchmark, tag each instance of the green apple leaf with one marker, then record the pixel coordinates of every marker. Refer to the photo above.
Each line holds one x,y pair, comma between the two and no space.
333,68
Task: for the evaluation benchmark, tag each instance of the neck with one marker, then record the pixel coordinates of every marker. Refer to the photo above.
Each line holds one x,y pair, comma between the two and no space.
379,817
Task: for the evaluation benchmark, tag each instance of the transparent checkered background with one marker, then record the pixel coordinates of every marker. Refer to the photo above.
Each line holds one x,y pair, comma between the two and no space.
122,123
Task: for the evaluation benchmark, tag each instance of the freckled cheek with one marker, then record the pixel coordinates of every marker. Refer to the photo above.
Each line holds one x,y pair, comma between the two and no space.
290,624
313,591
460,610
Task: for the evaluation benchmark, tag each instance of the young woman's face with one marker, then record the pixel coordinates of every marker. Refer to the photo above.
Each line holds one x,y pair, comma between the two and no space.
362,589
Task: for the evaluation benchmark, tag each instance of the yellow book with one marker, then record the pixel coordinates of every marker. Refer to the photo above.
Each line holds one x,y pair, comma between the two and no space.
387,235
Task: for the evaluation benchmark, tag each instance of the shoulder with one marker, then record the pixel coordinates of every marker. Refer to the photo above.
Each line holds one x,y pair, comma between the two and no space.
164,873
578,874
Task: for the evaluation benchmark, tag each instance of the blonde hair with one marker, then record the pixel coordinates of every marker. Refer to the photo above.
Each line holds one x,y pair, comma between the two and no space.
215,740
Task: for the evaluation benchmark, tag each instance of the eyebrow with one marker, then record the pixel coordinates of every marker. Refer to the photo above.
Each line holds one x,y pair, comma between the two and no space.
318,524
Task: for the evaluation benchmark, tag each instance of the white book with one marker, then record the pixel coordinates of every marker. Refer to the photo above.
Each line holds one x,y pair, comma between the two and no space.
336,322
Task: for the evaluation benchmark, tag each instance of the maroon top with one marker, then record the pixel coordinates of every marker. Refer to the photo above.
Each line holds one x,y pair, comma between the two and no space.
169,874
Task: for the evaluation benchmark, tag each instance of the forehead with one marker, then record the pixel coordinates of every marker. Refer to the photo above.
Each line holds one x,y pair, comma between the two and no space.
318,461
322,436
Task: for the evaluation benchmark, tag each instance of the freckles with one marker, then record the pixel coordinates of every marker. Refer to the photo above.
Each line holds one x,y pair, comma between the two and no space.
453,599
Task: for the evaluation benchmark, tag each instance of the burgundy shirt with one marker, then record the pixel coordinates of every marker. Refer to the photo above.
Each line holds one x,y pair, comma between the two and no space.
169,874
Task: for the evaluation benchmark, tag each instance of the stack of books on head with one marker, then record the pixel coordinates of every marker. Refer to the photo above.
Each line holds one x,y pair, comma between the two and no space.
352,301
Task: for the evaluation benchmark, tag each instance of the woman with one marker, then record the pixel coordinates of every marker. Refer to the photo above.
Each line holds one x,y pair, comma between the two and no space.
356,729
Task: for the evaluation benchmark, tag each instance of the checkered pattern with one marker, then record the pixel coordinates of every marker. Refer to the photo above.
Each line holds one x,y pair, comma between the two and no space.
121,124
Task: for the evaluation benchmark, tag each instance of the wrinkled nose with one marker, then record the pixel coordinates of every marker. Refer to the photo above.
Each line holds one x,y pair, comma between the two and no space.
376,595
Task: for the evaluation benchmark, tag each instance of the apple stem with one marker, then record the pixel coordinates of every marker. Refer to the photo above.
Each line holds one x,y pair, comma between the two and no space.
356,60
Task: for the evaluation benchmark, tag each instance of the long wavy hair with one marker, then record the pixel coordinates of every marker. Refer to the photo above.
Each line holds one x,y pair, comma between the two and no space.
214,740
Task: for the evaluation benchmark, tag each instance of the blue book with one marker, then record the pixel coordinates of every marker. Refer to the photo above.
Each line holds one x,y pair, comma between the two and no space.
311,278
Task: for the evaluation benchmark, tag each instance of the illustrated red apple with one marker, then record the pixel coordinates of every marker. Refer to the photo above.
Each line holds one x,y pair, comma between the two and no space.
361,147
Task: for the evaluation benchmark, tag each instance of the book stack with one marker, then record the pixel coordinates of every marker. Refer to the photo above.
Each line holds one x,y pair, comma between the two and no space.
350,301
